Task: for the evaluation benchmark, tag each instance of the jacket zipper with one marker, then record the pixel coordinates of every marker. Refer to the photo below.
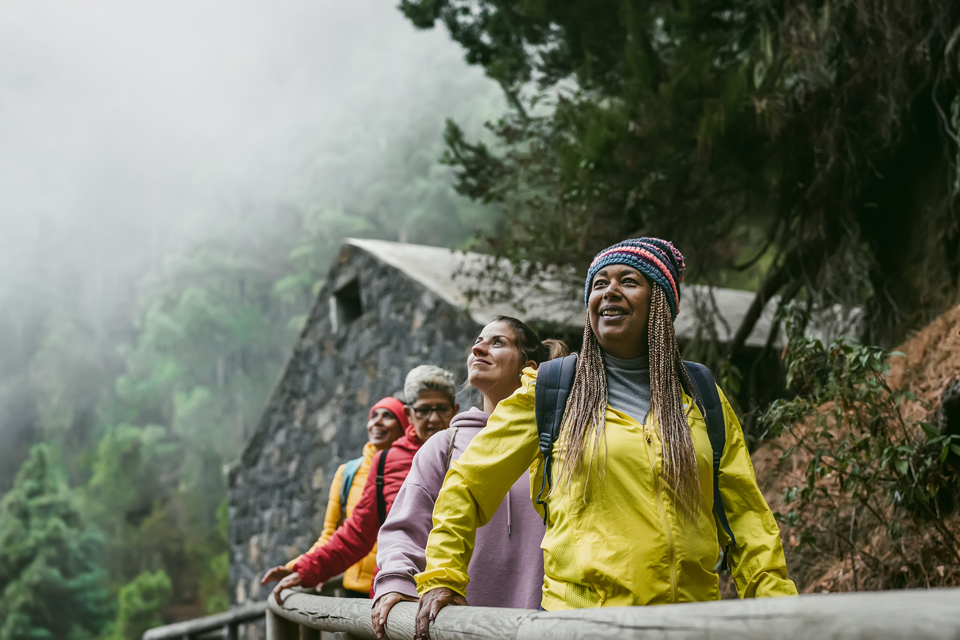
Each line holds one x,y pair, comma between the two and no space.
671,556
667,527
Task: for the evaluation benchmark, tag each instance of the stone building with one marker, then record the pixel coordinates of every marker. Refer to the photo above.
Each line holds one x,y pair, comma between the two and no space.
385,308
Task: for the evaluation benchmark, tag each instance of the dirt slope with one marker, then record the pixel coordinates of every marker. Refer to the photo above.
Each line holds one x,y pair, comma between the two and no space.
854,551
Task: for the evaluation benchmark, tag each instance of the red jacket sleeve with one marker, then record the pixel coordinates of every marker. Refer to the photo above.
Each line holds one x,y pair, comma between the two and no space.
351,542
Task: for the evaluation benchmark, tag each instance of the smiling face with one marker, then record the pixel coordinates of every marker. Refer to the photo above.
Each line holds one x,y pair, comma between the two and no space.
619,310
494,363
431,413
383,428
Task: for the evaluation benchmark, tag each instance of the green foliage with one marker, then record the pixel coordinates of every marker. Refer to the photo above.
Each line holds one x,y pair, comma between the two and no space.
150,397
772,140
50,583
139,606
848,426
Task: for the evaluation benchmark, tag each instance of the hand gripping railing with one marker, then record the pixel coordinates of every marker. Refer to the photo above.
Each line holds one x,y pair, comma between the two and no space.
885,615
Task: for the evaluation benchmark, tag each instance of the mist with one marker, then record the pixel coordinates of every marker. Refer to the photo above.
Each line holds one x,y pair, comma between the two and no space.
128,130
131,132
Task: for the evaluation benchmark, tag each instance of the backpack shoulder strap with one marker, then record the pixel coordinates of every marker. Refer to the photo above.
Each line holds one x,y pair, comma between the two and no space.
452,434
346,481
554,382
709,400
381,499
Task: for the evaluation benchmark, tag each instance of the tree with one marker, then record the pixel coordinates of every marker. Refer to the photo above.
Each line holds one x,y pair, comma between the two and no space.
150,397
789,146
140,604
50,581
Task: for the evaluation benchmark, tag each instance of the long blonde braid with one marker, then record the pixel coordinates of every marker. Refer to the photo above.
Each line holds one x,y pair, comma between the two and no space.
668,377
585,418
584,421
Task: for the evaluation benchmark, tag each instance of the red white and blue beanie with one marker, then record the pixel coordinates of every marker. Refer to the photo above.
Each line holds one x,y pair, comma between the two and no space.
656,259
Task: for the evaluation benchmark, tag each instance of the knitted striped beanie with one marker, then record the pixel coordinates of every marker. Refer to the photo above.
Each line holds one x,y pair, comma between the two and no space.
656,259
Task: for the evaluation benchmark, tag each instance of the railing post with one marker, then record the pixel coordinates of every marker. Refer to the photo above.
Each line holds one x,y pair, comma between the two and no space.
230,631
306,633
280,628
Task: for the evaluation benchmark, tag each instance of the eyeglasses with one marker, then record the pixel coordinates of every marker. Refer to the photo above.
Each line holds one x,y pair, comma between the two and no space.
443,411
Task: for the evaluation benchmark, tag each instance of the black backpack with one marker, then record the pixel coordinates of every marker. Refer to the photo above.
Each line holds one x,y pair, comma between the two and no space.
554,382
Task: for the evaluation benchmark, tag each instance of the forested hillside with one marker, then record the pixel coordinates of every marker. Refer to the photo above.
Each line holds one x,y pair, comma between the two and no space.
806,149
143,370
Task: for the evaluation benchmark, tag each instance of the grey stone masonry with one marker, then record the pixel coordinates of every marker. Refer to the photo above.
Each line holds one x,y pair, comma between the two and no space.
370,325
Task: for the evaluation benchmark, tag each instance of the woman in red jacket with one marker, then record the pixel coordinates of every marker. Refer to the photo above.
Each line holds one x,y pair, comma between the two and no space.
432,396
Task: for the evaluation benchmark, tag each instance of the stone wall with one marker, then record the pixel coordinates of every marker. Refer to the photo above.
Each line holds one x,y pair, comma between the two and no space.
315,418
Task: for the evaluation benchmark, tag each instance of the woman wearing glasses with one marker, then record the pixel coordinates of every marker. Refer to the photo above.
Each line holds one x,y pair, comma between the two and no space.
508,564
432,396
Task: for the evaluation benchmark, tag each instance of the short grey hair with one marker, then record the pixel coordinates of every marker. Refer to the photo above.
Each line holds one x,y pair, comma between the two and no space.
428,377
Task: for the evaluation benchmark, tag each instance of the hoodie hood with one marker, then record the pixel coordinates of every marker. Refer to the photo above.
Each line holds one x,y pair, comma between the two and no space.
473,417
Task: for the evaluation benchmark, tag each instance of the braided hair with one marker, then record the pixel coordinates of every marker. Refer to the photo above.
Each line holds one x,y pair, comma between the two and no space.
584,420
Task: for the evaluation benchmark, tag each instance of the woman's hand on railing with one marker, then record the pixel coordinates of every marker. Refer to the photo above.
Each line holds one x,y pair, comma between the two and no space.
381,609
277,573
292,580
430,605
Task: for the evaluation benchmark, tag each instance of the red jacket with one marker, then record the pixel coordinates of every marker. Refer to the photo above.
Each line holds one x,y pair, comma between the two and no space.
356,537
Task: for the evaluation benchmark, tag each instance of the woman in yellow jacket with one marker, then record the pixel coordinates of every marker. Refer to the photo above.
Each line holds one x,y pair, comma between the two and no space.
386,422
629,515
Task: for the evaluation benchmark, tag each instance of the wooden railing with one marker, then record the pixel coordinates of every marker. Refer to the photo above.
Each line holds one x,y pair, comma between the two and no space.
223,625
885,615
226,625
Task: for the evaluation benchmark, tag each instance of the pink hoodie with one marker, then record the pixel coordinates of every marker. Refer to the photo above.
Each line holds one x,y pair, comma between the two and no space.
507,565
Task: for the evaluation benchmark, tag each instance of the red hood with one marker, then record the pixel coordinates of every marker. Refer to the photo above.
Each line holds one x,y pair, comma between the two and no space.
409,442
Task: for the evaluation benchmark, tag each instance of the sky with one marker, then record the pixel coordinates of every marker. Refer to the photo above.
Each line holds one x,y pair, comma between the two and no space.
130,129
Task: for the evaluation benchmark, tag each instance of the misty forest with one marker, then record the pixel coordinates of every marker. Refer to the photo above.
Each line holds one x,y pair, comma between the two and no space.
176,178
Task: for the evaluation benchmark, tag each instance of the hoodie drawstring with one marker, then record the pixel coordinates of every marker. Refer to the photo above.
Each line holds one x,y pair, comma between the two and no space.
508,514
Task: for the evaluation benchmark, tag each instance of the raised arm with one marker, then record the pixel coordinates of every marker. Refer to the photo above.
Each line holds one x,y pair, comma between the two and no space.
476,485
757,562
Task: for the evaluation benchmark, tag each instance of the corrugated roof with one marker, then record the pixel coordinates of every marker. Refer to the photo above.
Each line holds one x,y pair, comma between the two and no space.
450,274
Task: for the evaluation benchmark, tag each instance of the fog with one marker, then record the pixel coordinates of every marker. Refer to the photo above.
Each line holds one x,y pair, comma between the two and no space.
128,130
131,132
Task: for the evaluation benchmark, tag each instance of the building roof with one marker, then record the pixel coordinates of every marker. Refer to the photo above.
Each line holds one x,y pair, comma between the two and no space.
451,275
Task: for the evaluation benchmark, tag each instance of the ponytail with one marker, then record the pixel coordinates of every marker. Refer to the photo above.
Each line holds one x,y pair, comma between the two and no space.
556,349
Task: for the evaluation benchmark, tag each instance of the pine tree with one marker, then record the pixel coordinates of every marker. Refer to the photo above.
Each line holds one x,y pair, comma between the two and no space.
50,584
789,147
140,604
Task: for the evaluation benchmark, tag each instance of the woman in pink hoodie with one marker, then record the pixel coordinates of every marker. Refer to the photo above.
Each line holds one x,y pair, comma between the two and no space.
507,570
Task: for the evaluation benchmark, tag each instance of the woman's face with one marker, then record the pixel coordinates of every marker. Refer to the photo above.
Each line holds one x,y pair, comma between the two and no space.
494,361
383,428
431,413
619,309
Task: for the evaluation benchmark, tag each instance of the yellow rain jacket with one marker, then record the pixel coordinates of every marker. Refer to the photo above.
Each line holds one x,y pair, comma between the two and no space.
359,577
624,545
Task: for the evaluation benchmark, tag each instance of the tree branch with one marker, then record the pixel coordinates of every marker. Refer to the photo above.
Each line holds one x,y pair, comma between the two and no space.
797,265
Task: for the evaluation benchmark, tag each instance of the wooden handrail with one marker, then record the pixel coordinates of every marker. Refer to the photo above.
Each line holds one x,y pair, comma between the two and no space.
884,615
225,622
